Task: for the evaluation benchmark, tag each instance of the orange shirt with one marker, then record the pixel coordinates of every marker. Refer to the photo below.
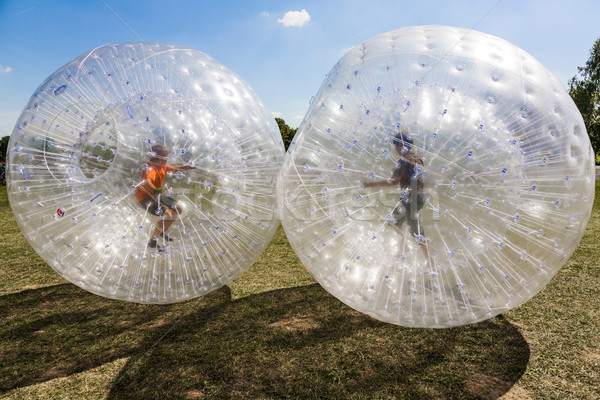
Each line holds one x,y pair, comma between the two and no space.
156,175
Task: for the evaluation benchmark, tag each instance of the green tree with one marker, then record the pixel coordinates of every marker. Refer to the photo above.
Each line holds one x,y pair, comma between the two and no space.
287,133
3,149
584,88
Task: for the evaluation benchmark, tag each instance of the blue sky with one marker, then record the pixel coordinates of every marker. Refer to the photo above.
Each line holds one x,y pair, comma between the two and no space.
283,56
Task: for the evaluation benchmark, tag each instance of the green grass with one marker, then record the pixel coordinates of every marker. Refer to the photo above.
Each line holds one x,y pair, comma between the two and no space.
275,333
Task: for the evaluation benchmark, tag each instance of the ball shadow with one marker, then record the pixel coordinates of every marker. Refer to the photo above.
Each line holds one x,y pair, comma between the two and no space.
302,342
60,330
298,342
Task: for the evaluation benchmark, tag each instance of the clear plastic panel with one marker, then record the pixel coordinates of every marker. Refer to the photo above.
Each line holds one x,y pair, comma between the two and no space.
507,166
82,142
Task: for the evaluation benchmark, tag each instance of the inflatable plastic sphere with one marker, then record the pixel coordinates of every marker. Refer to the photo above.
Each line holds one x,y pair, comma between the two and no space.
440,177
93,134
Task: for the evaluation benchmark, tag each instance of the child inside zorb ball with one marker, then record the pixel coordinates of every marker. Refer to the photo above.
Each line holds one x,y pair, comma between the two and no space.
149,193
409,176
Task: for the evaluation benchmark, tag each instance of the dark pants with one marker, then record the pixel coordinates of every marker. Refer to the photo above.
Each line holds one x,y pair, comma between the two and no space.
408,211
150,204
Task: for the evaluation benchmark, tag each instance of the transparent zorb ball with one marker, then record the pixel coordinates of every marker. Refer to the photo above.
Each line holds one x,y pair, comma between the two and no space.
80,146
507,172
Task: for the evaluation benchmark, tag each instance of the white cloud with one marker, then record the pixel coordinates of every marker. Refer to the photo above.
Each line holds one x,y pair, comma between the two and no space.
4,69
277,114
265,14
296,119
295,18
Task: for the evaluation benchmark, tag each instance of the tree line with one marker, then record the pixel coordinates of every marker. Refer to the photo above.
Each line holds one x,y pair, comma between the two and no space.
287,133
584,89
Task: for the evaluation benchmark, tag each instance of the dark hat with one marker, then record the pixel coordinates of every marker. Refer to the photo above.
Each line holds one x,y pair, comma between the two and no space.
160,151
403,139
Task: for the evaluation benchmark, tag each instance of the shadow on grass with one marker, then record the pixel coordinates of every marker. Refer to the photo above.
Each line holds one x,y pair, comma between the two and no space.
296,343
59,330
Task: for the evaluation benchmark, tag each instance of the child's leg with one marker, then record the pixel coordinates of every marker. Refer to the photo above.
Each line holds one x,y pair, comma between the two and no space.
400,228
425,250
165,222
417,231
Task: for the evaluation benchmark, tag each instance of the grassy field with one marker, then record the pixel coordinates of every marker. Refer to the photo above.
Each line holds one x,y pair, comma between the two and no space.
275,333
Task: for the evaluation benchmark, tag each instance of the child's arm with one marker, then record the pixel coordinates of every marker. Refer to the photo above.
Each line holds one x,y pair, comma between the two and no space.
149,177
149,188
175,168
393,181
